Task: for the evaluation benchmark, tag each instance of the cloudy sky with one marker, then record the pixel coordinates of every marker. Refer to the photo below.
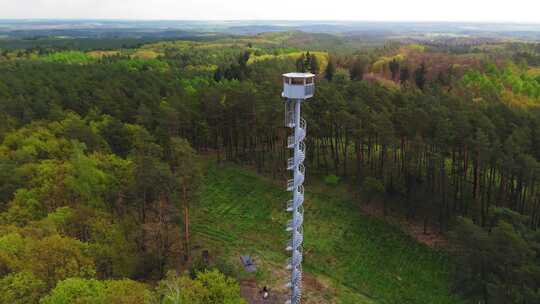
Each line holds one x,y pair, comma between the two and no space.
377,10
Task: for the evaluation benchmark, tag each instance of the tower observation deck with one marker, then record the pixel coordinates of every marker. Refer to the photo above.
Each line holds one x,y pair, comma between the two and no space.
297,87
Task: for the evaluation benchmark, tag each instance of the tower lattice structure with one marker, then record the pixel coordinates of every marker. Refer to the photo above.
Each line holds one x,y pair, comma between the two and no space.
295,205
298,88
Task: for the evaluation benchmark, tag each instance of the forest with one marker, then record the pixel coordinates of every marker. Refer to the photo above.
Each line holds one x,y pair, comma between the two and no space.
123,165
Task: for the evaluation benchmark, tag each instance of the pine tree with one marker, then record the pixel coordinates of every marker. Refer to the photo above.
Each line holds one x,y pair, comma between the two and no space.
394,68
300,66
307,62
357,69
404,75
330,70
243,60
218,75
314,65
420,76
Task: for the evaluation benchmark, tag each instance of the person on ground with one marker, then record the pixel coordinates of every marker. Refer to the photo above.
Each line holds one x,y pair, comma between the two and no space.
265,293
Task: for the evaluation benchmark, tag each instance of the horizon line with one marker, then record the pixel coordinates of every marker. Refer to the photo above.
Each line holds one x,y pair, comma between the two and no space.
272,20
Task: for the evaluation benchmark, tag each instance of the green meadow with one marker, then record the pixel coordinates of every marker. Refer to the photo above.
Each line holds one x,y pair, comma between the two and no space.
349,257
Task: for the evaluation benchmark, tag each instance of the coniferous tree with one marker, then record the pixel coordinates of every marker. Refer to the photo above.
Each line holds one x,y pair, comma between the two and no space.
394,68
404,75
243,60
307,62
357,69
300,63
330,70
183,160
218,75
420,76
314,65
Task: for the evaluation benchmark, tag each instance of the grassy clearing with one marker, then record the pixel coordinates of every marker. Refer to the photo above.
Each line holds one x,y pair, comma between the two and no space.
533,72
145,54
101,54
322,57
352,258
69,57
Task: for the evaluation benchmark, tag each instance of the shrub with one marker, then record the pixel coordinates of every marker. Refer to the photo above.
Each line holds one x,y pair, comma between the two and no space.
21,288
209,287
331,180
372,188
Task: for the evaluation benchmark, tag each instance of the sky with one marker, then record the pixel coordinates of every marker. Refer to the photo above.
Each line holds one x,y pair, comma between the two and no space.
526,11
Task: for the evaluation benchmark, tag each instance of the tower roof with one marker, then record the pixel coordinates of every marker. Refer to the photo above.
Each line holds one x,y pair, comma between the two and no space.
299,75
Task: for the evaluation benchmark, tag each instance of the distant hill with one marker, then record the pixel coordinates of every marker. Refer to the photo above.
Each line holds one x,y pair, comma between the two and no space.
178,28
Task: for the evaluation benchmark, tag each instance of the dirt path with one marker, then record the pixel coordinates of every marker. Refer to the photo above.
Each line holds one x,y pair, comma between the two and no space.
252,293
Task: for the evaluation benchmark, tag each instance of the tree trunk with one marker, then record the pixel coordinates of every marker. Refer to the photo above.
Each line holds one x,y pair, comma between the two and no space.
187,255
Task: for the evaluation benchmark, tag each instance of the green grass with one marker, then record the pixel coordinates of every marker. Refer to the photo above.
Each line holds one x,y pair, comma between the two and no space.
360,259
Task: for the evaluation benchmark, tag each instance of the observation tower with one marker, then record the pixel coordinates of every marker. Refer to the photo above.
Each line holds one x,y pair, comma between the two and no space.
297,87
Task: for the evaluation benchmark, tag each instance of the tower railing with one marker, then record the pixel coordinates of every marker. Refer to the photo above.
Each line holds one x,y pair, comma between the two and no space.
303,124
291,206
310,90
294,261
295,223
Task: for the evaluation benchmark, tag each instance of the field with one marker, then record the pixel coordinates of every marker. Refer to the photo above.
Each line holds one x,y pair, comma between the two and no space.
349,257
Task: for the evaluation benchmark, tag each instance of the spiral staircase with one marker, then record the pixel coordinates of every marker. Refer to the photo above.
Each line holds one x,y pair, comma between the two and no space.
295,206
